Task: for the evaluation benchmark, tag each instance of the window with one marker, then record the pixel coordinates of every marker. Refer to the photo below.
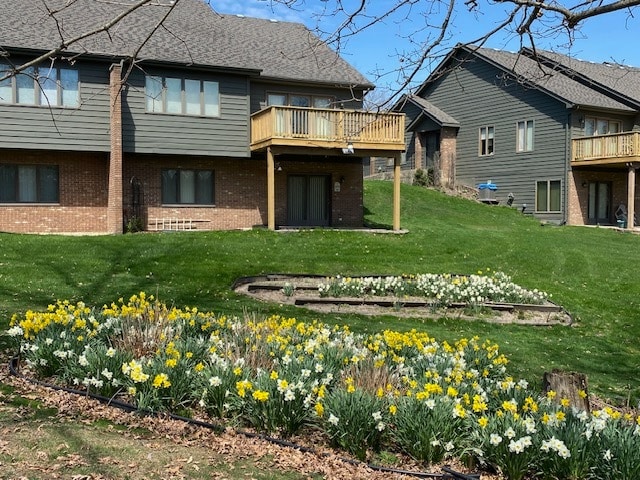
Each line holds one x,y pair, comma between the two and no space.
46,86
284,99
182,96
28,184
190,187
486,141
601,126
548,194
524,141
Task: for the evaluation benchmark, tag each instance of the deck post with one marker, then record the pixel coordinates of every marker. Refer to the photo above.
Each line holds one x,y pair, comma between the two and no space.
271,191
396,191
631,195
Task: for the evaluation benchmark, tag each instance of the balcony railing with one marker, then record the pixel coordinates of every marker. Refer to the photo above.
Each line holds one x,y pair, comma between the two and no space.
328,128
607,149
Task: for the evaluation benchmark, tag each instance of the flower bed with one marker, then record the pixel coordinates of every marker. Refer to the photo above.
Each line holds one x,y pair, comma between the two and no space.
396,391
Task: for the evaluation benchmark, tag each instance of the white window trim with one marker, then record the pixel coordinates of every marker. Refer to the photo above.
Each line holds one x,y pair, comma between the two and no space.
162,100
486,128
525,147
38,90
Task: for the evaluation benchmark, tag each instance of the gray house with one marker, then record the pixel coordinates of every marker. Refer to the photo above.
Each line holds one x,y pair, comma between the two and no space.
559,137
178,118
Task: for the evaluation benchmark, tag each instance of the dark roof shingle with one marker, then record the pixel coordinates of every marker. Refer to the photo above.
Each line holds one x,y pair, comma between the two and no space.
192,34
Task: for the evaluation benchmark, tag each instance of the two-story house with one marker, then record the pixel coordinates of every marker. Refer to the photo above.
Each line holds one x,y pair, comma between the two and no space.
559,137
177,117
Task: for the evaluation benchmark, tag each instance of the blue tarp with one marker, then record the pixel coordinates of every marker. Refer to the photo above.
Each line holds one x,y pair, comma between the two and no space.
488,185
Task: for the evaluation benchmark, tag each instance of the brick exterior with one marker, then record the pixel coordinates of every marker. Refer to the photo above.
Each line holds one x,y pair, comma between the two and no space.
240,193
114,207
578,195
447,170
82,194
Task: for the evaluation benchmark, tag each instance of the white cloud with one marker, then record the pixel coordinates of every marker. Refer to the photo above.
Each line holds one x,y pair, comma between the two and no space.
261,9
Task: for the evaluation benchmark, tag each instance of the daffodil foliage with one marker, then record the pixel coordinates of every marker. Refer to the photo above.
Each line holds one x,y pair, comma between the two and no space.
402,391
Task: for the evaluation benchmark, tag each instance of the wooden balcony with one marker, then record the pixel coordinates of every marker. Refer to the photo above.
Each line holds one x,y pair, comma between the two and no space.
613,149
279,126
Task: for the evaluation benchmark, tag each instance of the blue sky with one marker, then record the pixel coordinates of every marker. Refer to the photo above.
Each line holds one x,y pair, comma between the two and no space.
612,37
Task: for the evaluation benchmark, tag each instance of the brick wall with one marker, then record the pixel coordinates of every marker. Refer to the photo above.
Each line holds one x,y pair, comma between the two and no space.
578,195
240,192
82,201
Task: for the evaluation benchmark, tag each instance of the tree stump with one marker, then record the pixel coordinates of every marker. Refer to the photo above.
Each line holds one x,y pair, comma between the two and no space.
568,385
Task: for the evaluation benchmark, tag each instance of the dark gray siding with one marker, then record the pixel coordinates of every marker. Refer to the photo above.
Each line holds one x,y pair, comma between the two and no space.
479,95
226,135
42,127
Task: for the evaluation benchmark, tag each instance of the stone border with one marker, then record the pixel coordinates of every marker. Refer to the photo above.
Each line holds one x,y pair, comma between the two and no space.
269,288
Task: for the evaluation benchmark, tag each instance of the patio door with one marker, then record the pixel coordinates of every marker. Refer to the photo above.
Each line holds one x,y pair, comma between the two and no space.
599,210
308,198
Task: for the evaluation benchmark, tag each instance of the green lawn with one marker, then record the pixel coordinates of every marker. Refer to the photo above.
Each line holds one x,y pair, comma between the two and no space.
592,272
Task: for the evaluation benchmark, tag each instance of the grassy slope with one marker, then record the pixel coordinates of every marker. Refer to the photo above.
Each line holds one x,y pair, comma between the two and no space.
592,272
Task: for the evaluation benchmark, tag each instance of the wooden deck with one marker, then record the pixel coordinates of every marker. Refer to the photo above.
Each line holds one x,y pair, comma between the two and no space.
327,128
614,149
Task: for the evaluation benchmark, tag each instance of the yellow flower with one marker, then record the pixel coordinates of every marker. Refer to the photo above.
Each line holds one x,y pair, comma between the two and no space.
161,380
560,416
582,394
319,409
483,422
393,409
261,395
274,375
199,367
565,402
171,362
551,394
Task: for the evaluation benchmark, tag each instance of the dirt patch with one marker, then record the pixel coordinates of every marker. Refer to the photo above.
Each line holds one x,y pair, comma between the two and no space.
302,291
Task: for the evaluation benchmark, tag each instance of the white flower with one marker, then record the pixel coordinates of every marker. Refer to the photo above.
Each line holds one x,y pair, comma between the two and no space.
607,455
333,420
377,416
430,403
289,396
82,360
516,447
509,433
215,381
15,331
319,368
111,352
449,446
380,426
495,439
48,341
107,374
435,443
305,373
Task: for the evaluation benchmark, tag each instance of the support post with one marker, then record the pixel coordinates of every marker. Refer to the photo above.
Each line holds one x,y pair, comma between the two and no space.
396,191
271,191
115,193
631,195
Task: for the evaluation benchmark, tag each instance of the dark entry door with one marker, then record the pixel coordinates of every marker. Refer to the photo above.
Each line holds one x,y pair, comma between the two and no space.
308,200
599,203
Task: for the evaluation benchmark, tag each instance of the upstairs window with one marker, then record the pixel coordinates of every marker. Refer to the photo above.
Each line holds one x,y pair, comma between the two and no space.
524,141
601,126
284,99
182,96
46,86
486,141
29,184
187,187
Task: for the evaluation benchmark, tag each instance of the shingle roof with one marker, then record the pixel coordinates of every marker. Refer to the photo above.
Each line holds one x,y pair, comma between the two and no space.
192,34
535,75
623,80
428,108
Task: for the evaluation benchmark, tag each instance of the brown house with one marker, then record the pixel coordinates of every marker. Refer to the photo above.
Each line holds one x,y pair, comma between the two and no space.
178,118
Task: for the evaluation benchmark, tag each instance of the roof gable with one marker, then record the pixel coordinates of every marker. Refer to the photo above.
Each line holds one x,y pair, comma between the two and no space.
192,34
530,73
